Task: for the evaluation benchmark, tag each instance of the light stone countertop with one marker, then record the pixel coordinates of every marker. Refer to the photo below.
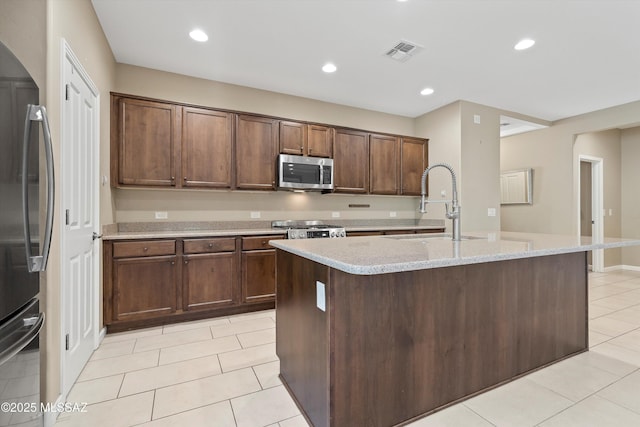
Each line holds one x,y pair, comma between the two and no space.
230,229
391,254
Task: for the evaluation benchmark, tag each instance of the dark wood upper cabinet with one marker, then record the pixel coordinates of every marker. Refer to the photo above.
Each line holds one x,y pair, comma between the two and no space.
319,141
414,158
148,148
351,161
256,152
306,139
293,138
207,147
384,153
163,144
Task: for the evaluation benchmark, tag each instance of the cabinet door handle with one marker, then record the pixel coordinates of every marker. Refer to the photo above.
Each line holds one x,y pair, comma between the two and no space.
310,150
173,262
302,149
210,245
264,242
145,249
186,262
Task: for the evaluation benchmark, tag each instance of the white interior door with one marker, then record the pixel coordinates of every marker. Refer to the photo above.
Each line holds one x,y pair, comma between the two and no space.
79,195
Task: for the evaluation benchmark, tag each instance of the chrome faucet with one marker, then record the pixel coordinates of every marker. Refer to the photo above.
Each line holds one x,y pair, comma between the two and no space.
454,213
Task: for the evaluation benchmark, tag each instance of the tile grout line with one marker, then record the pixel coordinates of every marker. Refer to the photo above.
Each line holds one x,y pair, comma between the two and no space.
463,403
586,397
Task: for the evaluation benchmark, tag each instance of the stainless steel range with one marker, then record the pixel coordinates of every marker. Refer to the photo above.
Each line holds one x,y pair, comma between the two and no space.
309,229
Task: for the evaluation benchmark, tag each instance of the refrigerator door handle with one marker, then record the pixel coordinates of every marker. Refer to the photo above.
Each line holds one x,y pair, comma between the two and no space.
18,332
37,113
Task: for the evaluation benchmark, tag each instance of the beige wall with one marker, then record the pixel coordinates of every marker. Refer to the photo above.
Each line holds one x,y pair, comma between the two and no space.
473,150
75,21
551,161
444,131
550,152
193,205
175,87
630,148
480,167
606,146
207,205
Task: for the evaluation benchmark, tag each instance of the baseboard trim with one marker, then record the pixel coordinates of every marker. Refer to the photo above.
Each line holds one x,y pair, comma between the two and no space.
631,267
621,267
50,417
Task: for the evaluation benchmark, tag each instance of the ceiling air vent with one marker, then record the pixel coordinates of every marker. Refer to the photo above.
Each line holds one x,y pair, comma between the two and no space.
403,51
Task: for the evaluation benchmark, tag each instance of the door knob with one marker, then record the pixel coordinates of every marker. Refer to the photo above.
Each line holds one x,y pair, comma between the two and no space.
96,236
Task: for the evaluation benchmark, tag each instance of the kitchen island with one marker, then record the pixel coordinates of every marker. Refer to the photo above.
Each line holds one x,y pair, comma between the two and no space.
380,331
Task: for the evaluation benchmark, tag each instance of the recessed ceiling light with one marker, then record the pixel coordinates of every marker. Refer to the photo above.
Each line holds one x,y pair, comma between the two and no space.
199,35
402,1
426,91
524,44
329,68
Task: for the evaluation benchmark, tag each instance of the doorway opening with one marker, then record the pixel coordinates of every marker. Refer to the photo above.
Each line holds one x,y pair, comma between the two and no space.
590,207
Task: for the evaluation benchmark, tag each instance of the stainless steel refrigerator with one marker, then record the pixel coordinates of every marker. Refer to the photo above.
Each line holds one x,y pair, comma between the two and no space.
24,244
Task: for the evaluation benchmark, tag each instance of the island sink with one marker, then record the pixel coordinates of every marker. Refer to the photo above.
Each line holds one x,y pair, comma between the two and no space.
431,236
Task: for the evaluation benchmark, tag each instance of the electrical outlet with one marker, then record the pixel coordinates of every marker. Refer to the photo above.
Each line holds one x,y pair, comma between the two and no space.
255,215
162,215
443,193
335,214
491,212
392,214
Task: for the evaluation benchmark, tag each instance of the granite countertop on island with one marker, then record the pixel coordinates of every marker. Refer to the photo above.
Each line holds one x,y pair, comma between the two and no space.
390,254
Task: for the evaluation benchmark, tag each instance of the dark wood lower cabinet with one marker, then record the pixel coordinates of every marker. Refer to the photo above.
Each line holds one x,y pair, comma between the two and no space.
159,281
258,275
209,281
258,269
144,287
155,282
391,348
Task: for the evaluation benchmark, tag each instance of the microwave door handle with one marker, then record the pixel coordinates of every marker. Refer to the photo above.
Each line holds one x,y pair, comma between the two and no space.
37,113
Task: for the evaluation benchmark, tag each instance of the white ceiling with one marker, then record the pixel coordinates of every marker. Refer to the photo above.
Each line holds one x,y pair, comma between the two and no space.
586,56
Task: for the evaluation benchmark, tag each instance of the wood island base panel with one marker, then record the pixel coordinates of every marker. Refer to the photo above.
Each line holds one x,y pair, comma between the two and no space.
387,349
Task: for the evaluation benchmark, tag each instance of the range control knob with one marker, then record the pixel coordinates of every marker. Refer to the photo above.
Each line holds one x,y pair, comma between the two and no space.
343,233
332,233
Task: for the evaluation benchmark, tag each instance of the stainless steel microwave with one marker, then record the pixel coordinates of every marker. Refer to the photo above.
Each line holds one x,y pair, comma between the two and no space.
304,173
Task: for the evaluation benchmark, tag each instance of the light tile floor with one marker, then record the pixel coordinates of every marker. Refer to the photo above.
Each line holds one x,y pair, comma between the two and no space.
224,372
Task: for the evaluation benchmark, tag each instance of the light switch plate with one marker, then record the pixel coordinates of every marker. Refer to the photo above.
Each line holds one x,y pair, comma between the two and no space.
491,212
255,215
320,296
162,215
393,214
335,214
476,119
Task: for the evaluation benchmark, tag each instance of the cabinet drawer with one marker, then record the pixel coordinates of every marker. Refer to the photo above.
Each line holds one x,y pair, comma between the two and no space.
258,242
195,246
144,248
